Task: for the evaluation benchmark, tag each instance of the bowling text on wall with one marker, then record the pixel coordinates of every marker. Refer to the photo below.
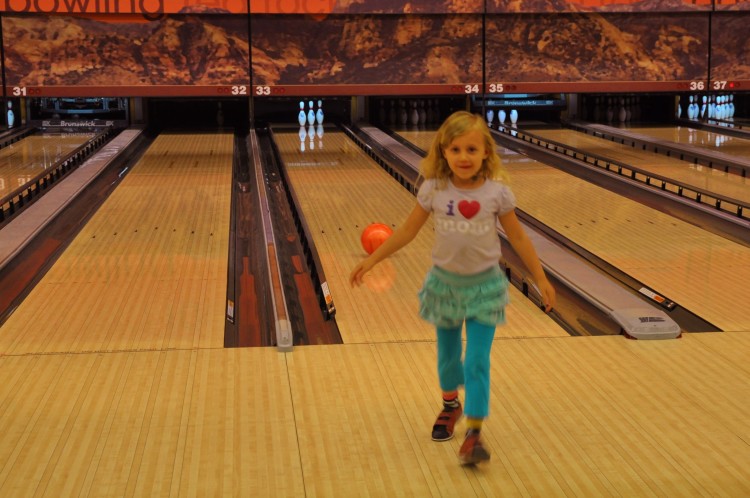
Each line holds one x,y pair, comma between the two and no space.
153,9
150,9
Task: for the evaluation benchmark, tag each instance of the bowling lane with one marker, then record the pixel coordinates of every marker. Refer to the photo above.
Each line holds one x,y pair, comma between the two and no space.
341,190
711,179
713,142
20,162
703,272
422,139
149,269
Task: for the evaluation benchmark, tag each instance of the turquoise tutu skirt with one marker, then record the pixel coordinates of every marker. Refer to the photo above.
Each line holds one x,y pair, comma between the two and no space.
447,299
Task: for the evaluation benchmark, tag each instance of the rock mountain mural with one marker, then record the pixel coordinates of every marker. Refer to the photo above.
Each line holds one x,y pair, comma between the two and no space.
730,53
175,50
367,50
196,48
597,47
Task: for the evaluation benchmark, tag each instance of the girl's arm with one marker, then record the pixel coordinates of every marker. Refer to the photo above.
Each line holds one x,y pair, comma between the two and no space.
523,246
401,236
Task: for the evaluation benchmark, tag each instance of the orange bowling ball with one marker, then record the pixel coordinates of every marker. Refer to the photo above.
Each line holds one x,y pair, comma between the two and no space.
374,235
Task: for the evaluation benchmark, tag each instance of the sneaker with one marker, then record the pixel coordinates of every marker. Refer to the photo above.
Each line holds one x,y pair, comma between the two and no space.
446,421
472,451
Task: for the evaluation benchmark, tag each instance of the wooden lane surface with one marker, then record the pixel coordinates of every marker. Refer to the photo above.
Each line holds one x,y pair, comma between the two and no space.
341,191
422,139
702,272
154,423
713,142
711,179
569,416
148,271
23,160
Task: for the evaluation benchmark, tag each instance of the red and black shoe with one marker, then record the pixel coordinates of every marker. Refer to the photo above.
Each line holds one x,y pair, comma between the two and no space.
446,422
472,451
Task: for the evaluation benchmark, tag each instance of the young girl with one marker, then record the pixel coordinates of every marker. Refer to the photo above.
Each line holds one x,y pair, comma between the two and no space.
464,188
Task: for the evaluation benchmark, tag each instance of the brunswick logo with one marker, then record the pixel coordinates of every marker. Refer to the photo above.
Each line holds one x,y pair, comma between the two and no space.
650,319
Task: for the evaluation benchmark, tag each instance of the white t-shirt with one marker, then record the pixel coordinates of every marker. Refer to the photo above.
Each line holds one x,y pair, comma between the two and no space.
466,240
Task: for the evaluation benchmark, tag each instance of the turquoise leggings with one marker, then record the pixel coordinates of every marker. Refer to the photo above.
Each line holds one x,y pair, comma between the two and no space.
474,371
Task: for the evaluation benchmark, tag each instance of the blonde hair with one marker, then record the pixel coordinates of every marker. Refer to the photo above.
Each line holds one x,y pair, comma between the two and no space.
459,123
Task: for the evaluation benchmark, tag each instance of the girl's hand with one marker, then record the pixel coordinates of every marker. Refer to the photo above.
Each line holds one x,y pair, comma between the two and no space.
359,271
547,293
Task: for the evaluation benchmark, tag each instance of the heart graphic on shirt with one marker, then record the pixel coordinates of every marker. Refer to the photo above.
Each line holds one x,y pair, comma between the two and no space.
468,208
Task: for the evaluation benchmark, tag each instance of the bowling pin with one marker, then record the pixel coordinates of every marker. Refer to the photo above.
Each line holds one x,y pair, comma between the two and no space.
302,117
311,114
11,115
719,107
414,115
513,116
628,110
490,117
319,115
501,116
696,108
